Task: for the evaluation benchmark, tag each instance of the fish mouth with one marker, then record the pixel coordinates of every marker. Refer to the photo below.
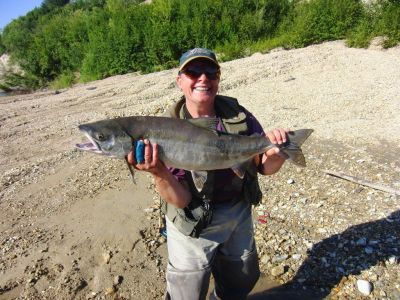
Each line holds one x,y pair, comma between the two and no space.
90,146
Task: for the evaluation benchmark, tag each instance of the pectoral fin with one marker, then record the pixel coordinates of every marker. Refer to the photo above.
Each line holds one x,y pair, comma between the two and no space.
199,179
131,170
239,170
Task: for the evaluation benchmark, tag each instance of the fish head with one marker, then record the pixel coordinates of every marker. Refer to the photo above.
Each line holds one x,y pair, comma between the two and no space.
106,138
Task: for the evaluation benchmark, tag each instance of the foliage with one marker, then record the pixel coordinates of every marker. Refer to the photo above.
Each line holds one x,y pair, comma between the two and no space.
388,23
94,39
2,47
381,18
17,81
64,80
323,20
50,5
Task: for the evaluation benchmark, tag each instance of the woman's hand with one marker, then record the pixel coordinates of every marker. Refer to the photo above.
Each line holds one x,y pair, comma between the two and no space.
151,162
272,160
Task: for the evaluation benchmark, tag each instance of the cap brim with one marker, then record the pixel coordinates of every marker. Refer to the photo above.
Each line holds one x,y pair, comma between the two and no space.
197,57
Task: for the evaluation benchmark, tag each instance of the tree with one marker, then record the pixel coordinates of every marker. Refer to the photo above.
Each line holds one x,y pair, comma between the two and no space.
50,5
2,48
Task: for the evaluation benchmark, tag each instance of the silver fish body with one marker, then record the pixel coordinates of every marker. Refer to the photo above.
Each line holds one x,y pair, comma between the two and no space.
187,144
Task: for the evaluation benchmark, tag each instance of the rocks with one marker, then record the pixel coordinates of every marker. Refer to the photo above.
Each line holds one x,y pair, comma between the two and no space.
290,181
277,271
110,291
364,287
280,258
331,236
316,228
107,256
118,280
369,250
362,241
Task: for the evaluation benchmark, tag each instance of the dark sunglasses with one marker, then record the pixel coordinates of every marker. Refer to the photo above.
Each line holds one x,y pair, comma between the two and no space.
211,73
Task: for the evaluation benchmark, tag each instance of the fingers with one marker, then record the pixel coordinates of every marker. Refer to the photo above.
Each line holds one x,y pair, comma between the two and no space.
131,157
150,154
272,151
147,152
155,155
146,155
149,161
278,136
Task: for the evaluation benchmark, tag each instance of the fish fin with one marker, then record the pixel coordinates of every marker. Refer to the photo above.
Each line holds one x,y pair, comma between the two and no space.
291,150
295,156
131,170
255,134
298,137
199,179
239,170
206,123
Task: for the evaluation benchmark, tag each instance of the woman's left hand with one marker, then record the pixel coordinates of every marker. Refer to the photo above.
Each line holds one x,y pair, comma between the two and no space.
272,161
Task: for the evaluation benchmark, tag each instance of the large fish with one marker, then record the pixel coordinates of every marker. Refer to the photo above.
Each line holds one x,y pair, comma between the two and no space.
191,144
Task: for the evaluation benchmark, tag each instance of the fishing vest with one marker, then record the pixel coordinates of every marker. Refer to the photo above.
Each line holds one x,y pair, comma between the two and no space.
192,219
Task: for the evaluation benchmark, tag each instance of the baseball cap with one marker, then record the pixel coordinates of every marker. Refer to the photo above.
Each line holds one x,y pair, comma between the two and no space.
195,54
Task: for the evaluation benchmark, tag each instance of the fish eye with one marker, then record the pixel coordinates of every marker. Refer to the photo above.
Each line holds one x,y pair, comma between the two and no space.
101,137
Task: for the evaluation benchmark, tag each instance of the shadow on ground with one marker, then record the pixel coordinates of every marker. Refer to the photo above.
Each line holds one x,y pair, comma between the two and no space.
358,248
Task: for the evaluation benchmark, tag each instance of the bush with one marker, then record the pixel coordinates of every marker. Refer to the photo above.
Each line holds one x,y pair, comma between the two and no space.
17,81
324,20
388,22
2,47
100,38
64,80
381,18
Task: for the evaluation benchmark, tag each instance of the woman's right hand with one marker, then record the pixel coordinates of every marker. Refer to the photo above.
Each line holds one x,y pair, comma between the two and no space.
151,162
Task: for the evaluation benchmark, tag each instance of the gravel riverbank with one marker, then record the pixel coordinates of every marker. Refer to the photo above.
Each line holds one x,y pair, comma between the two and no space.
73,226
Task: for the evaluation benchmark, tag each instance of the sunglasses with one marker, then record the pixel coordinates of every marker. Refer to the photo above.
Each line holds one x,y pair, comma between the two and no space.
211,73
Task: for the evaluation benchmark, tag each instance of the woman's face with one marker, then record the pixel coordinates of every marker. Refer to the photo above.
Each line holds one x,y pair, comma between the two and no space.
199,82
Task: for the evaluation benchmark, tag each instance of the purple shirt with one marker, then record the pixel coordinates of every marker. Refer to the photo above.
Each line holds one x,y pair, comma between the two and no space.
225,188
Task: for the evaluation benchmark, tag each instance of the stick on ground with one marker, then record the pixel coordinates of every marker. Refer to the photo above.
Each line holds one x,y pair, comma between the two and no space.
370,184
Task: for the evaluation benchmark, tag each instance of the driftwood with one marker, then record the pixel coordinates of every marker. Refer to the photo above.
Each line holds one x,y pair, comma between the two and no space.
370,184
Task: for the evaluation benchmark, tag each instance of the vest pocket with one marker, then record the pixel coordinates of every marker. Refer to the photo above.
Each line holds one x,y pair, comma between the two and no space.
236,125
190,221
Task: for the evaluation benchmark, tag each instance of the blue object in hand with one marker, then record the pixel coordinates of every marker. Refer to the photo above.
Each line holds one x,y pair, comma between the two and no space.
139,152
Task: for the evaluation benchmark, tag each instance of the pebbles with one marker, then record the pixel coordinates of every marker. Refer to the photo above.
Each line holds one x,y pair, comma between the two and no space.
277,271
364,287
312,230
332,235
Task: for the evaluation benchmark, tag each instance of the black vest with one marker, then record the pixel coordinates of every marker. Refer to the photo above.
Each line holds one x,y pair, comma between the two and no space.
197,215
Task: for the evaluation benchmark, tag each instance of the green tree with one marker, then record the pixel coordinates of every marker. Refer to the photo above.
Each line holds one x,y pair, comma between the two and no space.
388,22
320,20
50,5
2,47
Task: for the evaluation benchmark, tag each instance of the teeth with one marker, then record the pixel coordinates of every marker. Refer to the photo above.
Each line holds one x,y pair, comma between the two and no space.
201,89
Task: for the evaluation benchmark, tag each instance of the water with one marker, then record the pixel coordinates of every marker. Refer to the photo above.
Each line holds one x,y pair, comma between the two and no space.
2,93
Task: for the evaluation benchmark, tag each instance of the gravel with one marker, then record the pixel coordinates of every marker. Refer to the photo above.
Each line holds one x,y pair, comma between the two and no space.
73,226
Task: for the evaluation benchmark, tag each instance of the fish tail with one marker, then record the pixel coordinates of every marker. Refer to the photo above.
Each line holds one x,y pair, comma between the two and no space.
292,150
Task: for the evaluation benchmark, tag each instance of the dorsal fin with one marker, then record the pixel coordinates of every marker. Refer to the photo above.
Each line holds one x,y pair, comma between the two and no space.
207,123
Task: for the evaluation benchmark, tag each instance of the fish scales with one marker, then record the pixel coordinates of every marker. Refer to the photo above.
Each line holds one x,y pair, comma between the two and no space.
183,143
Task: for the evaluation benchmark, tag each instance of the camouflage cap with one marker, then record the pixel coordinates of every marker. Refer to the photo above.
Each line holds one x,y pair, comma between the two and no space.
195,54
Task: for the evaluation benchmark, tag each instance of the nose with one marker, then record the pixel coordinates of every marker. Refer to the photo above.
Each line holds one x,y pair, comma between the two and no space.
203,77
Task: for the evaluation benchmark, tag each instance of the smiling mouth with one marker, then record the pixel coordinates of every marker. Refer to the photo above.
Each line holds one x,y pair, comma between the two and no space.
202,89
